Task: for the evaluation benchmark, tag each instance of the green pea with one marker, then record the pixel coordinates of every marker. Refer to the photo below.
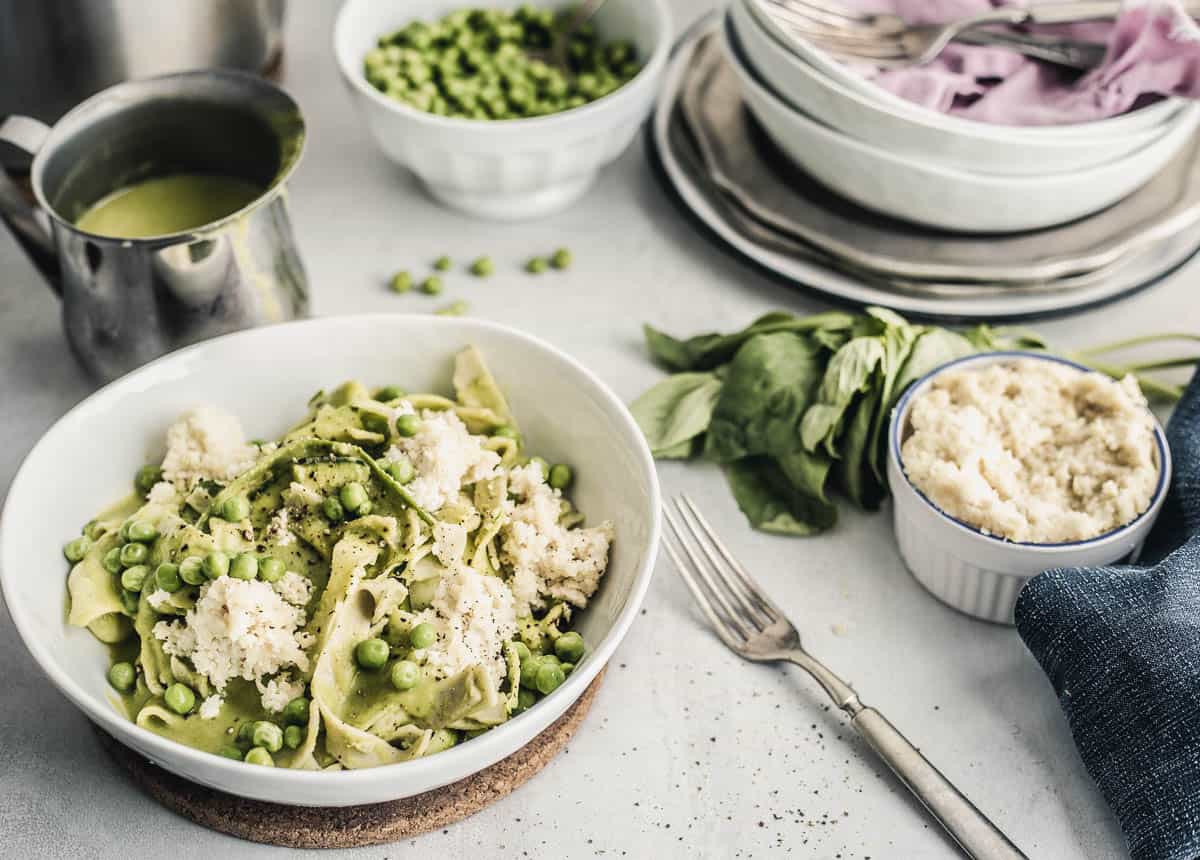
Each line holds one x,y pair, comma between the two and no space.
133,578
235,509
364,509
230,751
93,530
561,259
422,636
523,652
549,658
549,678
536,265
191,570
352,496
141,531
259,756
371,653
389,393
569,647
76,549
122,677
166,576
402,470
271,569
408,425
333,510
129,600
506,431
443,263
568,668
245,731
541,463
293,736
180,698
296,712
529,669
216,564
112,560
525,700
267,735
401,282
454,309
405,675
134,554
560,476
431,286
482,267
147,477
244,566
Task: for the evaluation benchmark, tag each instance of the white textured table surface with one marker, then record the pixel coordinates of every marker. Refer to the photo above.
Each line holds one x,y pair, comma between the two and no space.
688,752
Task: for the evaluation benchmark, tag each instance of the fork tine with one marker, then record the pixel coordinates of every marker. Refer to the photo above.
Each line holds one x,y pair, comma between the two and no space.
746,597
864,50
751,587
706,605
717,595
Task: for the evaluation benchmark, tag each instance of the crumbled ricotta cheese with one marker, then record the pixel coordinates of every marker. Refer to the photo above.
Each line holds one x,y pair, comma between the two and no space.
277,529
301,495
238,629
210,708
445,456
163,493
293,588
206,443
277,692
449,543
546,559
159,599
474,615
1033,451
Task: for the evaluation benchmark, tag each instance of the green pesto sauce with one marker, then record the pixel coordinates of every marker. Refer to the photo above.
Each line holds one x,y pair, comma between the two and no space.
167,204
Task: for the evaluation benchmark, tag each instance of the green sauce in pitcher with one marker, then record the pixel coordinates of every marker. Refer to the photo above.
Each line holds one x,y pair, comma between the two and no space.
167,204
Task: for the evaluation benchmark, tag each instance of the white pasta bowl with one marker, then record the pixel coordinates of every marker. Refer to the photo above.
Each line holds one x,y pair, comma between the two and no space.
265,376
926,192
978,573
946,140
847,77
509,169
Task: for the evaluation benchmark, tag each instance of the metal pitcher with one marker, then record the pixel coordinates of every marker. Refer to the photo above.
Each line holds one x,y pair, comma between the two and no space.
126,301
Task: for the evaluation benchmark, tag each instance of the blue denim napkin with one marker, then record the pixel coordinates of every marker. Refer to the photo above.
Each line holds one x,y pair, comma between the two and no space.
1121,647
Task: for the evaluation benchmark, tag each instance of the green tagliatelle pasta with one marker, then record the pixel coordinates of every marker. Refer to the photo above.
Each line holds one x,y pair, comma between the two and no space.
386,580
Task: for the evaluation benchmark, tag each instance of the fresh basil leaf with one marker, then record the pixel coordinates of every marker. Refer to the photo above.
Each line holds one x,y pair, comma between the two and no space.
771,504
853,471
935,347
767,387
676,411
832,339
898,342
706,351
685,450
849,373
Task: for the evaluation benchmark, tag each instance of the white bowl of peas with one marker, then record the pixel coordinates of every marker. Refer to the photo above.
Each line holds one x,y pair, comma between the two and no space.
499,113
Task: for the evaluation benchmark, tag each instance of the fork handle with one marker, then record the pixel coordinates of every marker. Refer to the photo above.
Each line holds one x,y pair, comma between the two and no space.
970,828
1056,13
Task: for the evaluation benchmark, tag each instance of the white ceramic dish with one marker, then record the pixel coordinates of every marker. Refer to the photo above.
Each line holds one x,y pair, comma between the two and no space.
942,197
971,146
979,574
265,375
1139,120
510,169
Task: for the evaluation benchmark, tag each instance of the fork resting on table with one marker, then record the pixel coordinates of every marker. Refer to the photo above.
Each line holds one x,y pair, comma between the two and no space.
754,628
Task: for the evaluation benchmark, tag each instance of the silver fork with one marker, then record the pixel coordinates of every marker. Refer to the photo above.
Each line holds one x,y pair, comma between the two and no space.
880,40
756,629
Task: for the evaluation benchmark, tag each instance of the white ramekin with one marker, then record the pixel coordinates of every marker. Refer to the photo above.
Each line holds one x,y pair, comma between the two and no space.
980,574
508,169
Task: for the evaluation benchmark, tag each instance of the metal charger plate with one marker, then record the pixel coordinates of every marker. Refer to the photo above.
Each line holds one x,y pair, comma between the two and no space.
1089,262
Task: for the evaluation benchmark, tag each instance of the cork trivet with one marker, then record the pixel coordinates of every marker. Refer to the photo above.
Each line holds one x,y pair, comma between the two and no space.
350,826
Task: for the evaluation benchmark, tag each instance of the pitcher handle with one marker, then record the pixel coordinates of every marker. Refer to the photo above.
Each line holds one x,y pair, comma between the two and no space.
21,216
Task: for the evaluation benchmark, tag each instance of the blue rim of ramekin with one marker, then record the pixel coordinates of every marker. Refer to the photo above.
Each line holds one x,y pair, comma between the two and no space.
897,425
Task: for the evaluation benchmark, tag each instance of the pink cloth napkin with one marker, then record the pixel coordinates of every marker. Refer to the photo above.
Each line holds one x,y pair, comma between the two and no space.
1153,51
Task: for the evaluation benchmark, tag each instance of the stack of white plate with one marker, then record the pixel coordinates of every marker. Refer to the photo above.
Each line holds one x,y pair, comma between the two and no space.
907,161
